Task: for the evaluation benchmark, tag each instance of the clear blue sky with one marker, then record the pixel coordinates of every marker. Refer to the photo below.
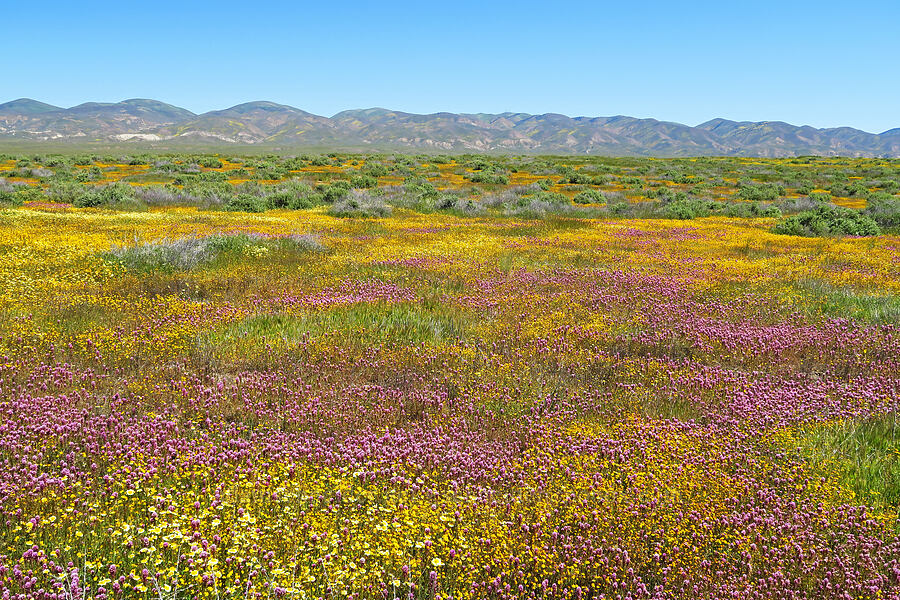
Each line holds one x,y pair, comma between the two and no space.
820,63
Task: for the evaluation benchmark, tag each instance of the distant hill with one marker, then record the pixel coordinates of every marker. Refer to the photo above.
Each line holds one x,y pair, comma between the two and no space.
26,106
30,119
274,125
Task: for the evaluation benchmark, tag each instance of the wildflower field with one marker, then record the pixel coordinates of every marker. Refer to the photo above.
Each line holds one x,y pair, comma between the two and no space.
479,391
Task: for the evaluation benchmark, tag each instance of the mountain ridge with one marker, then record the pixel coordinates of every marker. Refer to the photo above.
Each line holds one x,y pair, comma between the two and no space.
265,123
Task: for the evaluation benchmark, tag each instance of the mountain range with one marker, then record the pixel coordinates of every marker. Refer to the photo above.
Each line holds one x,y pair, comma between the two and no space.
267,124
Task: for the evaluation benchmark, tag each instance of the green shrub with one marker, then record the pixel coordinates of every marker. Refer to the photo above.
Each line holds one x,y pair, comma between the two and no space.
245,203
375,170
571,176
363,181
823,197
760,192
489,177
294,197
828,221
548,197
683,209
118,196
335,191
10,198
210,162
589,197
421,188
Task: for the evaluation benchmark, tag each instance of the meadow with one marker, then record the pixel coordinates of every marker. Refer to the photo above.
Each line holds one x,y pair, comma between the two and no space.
385,376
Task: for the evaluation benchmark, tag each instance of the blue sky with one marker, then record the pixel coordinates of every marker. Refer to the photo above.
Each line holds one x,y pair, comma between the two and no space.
819,63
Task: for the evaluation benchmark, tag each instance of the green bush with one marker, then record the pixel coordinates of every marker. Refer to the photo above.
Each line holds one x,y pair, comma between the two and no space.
210,162
489,177
245,203
363,181
421,188
589,197
549,197
335,191
760,192
115,195
828,221
9,198
823,197
85,175
571,176
683,209
294,197
375,170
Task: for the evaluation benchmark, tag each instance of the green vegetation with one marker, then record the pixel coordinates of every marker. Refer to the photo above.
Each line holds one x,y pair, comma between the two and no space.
866,455
828,220
817,196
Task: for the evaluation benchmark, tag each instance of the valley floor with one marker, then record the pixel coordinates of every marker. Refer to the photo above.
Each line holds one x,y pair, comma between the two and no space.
199,404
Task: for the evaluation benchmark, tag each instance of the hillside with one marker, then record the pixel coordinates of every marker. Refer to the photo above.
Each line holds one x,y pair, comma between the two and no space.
265,123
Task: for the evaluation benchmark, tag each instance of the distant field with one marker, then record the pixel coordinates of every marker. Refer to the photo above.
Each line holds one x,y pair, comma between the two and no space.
461,184
390,376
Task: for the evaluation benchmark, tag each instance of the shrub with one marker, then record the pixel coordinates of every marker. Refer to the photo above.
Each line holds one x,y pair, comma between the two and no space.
884,209
751,209
359,203
67,191
294,196
335,191
549,197
210,162
571,176
826,221
85,175
115,195
489,177
10,198
761,192
245,203
159,195
375,170
683,209
207,195
363,181
212,176
797,205
421,188
467,207
589,197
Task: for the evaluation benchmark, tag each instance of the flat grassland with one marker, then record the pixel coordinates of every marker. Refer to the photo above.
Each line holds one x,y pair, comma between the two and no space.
450,385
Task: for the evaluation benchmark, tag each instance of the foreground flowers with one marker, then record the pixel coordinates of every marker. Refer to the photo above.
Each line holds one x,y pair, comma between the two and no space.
426,407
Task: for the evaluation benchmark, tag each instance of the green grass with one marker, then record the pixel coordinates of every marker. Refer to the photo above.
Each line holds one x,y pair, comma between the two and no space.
866,454
365,324
832,301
